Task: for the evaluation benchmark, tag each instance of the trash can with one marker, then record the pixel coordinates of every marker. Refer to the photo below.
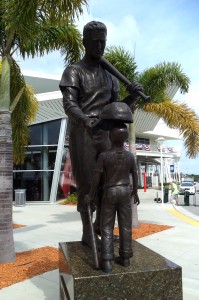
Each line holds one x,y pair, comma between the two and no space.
20,197
166,195
186,198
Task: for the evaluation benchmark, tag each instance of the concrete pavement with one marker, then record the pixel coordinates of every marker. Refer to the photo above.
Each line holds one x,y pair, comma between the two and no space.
47,225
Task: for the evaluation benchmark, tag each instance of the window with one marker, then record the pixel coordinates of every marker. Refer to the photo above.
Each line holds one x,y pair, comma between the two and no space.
45,133
36,173
144,141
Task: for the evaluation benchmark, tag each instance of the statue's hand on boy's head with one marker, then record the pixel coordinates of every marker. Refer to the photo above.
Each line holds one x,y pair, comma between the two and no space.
89,124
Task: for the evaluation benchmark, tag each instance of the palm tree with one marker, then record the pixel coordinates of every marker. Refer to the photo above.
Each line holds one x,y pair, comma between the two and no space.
31,28
155,80
176,115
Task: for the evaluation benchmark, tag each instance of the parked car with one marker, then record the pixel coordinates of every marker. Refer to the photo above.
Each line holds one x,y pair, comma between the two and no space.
187,186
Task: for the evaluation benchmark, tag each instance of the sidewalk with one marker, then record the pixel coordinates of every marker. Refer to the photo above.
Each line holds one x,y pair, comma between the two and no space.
47,225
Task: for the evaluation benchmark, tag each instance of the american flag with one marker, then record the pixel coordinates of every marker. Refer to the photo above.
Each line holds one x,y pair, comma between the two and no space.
138,146
170,149
147,147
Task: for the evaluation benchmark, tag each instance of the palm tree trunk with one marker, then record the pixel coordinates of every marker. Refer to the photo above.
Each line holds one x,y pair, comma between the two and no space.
7,251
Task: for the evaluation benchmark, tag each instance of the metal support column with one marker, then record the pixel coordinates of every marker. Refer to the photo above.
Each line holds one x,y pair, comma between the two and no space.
58,160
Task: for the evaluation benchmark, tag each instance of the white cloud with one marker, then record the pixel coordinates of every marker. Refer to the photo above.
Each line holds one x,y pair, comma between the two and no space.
191,98
123,33
120,33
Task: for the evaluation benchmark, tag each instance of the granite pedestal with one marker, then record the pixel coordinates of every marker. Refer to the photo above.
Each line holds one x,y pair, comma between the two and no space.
150,276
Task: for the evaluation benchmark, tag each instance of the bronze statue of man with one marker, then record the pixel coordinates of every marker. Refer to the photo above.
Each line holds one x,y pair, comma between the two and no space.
86,89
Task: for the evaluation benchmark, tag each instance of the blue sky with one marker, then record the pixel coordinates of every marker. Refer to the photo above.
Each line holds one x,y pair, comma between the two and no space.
154,31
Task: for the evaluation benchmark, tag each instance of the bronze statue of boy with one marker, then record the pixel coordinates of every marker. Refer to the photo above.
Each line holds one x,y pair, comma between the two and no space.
115,166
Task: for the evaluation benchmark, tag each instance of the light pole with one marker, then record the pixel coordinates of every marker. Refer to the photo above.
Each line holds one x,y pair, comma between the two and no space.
176,158
160,142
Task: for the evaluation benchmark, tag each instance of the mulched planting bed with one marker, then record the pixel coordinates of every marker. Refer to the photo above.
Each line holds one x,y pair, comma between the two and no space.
144,229
29,264
17,226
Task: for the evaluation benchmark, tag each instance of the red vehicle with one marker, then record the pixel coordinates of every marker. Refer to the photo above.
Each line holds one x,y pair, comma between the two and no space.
67,181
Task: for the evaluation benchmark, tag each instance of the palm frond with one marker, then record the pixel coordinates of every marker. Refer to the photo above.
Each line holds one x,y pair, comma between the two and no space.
124,62
23,114
57,9
179,116
18,14
49,38
16,99
20,20
155,80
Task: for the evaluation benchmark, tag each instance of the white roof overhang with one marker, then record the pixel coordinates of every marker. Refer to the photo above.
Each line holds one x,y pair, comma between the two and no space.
50,107
161,129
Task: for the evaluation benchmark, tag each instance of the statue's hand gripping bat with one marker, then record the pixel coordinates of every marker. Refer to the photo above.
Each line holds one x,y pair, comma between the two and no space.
111,69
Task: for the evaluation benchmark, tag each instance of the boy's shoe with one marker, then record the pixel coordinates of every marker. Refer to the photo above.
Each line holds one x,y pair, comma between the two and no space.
106,266
125,262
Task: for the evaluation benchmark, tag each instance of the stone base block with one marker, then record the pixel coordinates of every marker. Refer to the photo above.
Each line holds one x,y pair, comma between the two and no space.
150,276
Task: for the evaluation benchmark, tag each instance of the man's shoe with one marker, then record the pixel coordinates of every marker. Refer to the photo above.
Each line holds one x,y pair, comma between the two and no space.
106,266
125,262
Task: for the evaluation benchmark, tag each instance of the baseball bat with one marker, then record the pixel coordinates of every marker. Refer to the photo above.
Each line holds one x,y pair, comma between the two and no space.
94,244
111,69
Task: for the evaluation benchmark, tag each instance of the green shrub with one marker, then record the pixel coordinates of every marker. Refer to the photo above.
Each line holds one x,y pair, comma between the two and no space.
71,198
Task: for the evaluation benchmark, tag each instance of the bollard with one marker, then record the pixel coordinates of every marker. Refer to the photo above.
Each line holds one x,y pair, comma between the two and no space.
186,198
157,199
166,195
